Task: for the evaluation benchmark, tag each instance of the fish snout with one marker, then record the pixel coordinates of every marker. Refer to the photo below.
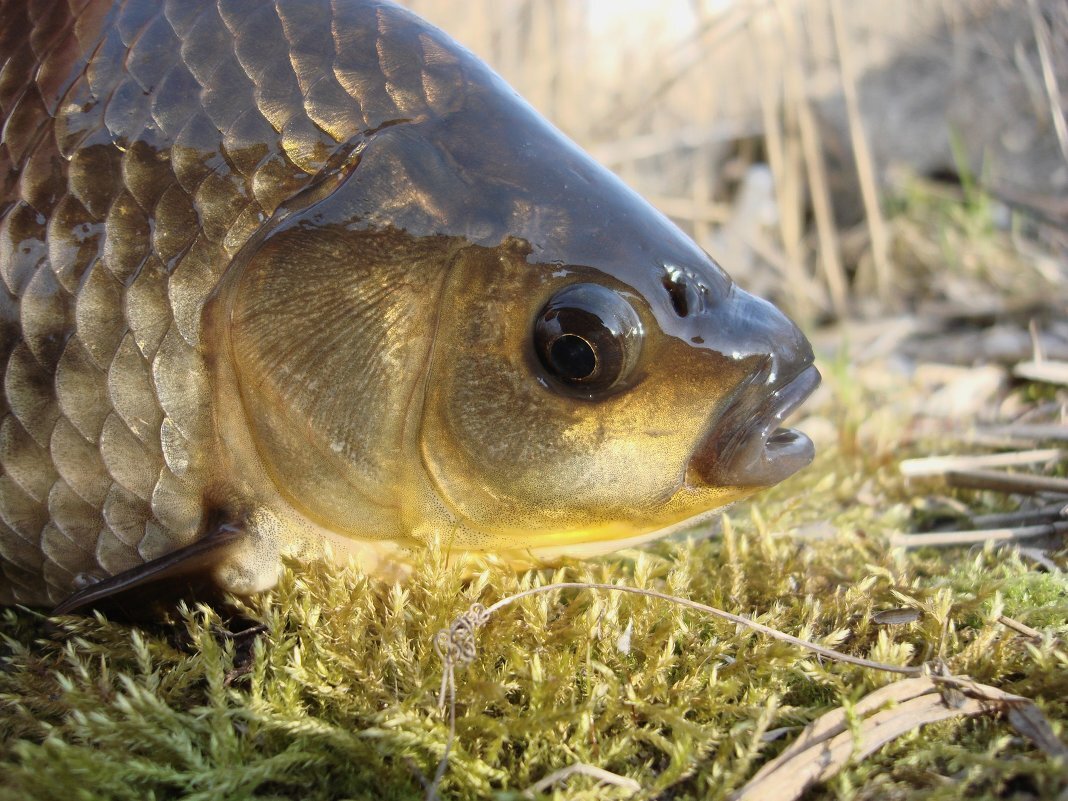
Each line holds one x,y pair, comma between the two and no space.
747,445
766,331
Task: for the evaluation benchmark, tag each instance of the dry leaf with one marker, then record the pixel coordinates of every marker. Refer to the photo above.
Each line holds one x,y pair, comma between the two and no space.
828,744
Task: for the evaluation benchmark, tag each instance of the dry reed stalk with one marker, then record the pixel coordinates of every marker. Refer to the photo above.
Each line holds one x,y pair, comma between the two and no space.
1020,628
1022,517
677,64
574,84
805,293
784,159
938,465
880,239
701,185
1006,482
1049,76
497,26
682,208
1027,431
942,539
815,168
544,45
661,143
1046,371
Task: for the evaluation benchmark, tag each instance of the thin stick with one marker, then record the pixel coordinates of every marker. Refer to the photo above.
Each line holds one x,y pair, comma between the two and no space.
1047,371
951,538
685,208
1035,431
1049,76
582,769
786,179
1020,628
649,145
937,465
1023,517
1006,482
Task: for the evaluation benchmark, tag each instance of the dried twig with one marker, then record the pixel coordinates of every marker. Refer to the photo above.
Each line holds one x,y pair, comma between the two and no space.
1047,371
815,166
938,465
458,639
582,769
783,159
650,145
1032,431
1049,76
952,538
1020,628
1026,484
1022,517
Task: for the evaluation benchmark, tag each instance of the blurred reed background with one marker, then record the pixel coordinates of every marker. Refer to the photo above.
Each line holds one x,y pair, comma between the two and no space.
846,158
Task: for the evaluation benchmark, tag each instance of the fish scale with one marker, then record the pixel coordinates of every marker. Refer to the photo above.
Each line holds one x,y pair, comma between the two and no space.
143,145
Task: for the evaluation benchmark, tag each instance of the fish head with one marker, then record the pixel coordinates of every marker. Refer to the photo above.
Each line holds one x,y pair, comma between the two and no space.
597,379
552,368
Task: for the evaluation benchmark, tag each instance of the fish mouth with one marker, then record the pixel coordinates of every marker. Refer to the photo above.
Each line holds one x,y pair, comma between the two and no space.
748,447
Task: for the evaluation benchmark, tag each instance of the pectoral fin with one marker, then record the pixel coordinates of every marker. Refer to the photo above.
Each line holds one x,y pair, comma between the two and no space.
182,574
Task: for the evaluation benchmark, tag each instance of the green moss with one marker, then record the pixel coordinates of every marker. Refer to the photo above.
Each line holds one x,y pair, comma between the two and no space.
327,687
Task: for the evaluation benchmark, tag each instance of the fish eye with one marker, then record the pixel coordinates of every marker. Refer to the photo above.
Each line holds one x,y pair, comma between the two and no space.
587,338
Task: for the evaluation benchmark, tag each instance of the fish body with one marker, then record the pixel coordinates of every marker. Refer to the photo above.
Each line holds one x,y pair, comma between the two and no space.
282,274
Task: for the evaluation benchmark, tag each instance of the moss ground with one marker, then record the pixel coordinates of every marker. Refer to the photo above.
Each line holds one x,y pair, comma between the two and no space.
326,688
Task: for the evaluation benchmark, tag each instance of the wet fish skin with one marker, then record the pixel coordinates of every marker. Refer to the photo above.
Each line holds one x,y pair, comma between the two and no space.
269,277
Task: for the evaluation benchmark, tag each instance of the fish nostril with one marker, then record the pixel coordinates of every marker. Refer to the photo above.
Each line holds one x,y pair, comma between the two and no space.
689,294
676,290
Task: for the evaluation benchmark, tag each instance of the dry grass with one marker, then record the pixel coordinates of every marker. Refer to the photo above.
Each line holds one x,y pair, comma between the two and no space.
683,98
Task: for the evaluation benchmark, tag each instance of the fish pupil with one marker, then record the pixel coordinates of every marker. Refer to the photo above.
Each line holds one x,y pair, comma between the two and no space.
587,339
573,357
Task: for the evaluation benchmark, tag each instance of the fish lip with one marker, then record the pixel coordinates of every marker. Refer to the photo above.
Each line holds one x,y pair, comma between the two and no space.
747,447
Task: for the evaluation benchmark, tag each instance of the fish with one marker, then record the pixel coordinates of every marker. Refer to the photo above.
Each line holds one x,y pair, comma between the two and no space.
282,279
